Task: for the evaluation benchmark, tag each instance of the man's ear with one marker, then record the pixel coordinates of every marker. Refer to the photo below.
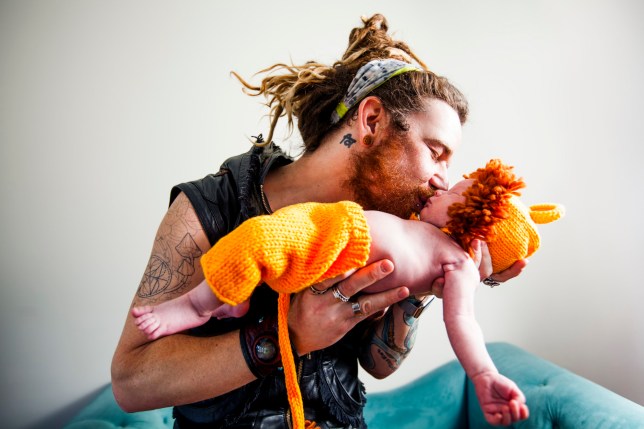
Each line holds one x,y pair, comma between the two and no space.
372,119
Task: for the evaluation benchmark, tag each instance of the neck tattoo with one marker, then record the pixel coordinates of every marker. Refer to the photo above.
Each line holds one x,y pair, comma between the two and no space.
347,140
267,207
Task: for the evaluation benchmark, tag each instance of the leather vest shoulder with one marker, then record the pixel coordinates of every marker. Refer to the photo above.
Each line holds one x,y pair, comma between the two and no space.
332,393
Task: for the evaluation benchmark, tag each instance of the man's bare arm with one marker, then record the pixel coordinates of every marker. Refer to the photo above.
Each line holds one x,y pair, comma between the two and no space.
177,369
388,342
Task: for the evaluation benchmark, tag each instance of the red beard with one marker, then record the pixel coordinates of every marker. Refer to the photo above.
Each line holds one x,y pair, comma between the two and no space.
380,181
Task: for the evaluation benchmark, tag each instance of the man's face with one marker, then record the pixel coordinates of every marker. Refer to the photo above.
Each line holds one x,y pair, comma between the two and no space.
400,172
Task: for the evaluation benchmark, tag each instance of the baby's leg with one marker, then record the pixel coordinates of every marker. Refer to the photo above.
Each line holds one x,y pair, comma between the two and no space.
227,310
184,312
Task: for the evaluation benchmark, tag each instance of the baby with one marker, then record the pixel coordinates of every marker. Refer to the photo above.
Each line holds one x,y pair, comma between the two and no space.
304,244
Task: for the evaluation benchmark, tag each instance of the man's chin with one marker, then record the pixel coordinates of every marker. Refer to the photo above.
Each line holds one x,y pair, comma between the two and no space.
398,202
402,209
425,194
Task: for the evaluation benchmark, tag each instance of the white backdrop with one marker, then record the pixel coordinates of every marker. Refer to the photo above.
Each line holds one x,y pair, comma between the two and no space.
105,105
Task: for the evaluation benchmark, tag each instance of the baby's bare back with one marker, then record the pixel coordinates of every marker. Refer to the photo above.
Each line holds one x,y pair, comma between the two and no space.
418,250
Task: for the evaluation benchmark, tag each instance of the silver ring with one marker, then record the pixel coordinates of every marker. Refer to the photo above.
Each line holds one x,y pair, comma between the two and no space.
355,306
317,291
489,281
339,295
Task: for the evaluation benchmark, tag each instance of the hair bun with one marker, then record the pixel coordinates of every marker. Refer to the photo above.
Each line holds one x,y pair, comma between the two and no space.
376,22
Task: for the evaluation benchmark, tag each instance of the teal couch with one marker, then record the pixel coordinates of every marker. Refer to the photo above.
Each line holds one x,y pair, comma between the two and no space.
444,399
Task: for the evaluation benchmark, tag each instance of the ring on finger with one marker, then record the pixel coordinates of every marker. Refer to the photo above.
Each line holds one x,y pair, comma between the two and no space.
357,310
317,291
339,295
489,281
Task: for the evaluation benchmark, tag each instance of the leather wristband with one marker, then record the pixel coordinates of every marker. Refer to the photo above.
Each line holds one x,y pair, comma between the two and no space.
260,345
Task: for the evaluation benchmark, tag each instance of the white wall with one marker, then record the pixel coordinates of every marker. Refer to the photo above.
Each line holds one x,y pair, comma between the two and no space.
105,105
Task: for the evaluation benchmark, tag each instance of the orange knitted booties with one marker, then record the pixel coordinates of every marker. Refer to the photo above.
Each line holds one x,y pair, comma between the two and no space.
293,248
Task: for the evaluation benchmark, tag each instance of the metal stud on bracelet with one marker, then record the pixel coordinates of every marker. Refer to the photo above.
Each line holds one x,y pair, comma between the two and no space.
260,345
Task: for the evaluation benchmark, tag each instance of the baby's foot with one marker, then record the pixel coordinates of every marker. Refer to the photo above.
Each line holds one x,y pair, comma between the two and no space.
167,318
147,321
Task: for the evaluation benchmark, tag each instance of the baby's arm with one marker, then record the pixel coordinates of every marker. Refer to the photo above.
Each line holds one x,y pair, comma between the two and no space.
501,400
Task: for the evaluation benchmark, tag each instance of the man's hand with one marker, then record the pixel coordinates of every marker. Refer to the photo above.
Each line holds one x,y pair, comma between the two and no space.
512,272
317,321
483,260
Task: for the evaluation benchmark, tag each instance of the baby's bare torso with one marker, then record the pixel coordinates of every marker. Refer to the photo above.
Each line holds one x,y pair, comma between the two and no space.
418,250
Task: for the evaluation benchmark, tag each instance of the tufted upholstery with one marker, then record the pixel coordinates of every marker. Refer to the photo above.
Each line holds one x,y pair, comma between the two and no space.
557,398
444,399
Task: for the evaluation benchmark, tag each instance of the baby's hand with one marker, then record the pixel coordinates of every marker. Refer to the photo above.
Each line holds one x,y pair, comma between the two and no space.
501,400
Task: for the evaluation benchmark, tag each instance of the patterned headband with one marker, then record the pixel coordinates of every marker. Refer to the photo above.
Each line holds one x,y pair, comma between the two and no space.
369,77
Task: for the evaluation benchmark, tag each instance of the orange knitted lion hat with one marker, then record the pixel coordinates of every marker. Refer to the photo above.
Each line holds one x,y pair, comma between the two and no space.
493,212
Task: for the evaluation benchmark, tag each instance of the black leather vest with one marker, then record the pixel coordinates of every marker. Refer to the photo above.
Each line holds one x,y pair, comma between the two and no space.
332,393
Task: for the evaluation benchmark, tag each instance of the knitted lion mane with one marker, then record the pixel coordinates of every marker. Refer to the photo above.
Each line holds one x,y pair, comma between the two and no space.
486,203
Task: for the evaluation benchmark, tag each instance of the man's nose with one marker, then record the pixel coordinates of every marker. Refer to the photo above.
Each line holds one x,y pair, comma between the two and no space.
440,180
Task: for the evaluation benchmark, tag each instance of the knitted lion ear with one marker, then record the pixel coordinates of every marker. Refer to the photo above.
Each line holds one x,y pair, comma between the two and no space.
546,213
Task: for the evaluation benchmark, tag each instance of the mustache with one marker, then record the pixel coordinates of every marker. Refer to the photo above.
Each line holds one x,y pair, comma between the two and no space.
425,194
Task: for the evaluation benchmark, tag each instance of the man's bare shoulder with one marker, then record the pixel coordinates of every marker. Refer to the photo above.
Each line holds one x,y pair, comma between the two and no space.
174,267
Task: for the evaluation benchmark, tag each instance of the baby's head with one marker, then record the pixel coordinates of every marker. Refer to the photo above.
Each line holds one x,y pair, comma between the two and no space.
436,209
486,205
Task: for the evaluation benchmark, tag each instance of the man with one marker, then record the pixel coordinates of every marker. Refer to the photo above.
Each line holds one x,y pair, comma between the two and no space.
380,133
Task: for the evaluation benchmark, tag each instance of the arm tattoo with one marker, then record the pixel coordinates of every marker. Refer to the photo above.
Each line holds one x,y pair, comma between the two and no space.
162,275
156,278
170,268
385,343
410,338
